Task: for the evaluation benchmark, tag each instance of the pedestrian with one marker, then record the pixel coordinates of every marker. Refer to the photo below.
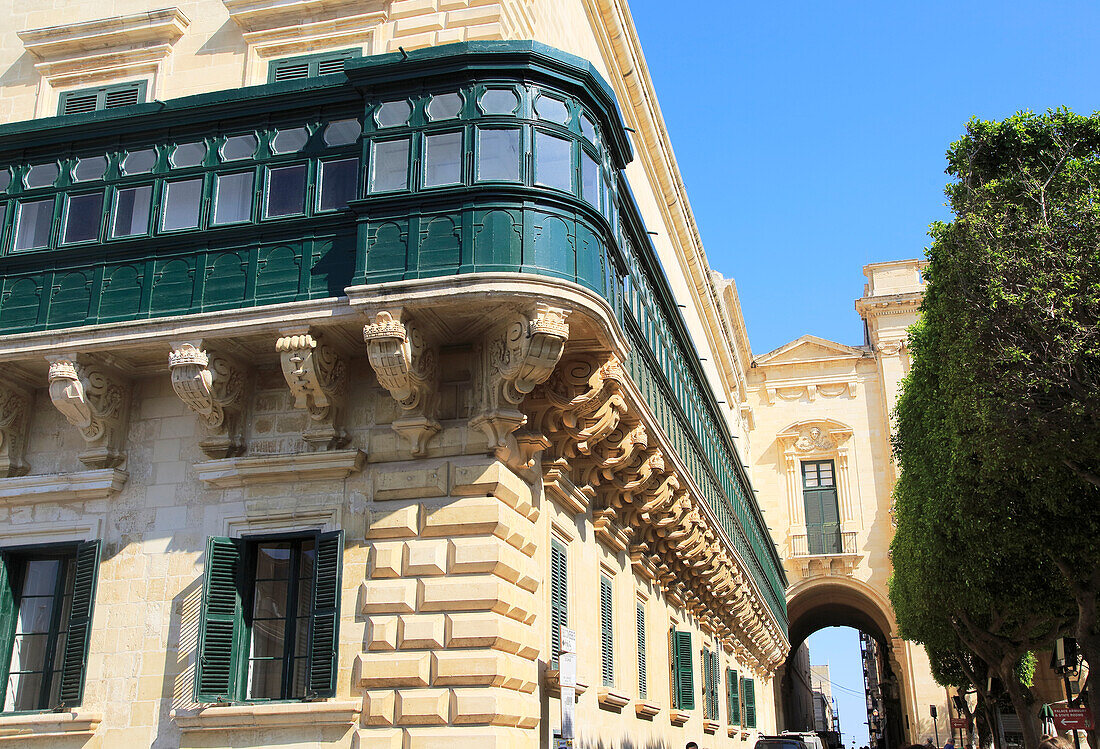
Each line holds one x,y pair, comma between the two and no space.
950,743
691,745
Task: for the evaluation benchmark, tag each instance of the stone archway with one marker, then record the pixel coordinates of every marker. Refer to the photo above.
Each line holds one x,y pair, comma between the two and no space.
828,601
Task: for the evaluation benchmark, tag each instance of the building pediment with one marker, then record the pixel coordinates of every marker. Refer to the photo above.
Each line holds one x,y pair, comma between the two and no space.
809,349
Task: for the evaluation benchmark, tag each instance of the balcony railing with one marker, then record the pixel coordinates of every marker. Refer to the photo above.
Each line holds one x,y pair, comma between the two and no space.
800,545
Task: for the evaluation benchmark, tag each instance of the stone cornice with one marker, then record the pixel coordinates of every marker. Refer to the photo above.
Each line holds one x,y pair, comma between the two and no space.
256,15
270,469
63,487
147,28
267,715
62,726
892,304
622,50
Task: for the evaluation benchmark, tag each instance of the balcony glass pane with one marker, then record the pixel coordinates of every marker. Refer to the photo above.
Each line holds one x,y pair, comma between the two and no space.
132,211
289,141
554,110
181,204
590,179
499,101
342,132
239,147
139,162
5,179
442,159
338,183
189,154
83,217
233,201
33,223
498,154
444,106
42,175
90,168
393,113
588,129
553,161
286,190
390,166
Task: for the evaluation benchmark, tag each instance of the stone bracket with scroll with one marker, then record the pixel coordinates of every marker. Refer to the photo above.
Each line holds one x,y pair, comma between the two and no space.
15,409
96,400
317,377
214,387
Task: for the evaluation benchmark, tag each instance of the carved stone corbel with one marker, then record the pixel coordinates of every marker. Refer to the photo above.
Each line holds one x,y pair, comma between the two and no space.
213,386
15,408
96,401
317,378
515,358
406,364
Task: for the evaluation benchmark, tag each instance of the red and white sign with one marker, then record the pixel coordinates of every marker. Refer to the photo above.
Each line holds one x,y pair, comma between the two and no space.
1068,718
959,723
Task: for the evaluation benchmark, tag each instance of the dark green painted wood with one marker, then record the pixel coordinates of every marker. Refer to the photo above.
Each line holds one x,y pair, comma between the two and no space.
220,629
8,617
733,698
74,658
683,677
324,627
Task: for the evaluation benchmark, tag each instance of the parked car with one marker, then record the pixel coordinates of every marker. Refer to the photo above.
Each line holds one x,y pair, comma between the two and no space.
781,742
809,738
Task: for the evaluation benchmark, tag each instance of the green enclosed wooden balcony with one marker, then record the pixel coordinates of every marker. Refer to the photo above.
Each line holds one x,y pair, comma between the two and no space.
488,157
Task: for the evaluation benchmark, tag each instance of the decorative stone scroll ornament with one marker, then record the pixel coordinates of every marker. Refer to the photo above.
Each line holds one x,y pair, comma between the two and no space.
642,504
317,378
213,386
516,357
15,407
406,364
97,402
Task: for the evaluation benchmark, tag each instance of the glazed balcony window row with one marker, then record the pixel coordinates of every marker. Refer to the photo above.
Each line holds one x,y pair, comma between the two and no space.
201,183
246,177
268,630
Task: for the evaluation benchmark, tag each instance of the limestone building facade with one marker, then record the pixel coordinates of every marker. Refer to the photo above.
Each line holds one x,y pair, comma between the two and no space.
348,349
818,414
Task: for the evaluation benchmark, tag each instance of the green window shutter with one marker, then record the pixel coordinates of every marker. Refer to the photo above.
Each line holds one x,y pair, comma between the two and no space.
607,639
7,625
75,657
734,696
642,677
324,626
105,97
683,681
706,683
559,599
222,626
750,703
309,66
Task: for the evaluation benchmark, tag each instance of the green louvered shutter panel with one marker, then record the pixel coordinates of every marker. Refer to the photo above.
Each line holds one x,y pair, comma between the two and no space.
750,703
324,625
830,523
683,681
733,695
106,97
715,680
221,628
559,599
607,639
706,684
74,660
643,681
7,625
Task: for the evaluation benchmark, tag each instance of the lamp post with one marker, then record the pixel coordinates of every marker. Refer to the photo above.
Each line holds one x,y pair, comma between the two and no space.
936,725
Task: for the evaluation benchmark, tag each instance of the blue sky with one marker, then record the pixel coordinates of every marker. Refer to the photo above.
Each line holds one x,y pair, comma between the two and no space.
811,135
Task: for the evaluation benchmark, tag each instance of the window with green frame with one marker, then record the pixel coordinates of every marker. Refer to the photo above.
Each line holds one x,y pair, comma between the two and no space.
309,66
103,97
683,683
748,698
607,631
559,598
643,677
270,618
733,698
46,602
710,684
822,511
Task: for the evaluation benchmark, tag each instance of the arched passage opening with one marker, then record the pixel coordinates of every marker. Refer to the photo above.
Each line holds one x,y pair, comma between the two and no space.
827,601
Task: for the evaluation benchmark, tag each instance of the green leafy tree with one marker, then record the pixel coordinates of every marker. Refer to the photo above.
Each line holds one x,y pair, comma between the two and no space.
965,567
1016,288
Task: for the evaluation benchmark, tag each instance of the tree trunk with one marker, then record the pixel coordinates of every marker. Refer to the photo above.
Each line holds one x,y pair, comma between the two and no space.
1023,701
1084,589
